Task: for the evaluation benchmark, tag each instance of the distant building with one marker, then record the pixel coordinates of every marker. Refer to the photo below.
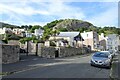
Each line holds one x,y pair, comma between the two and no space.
1,42
91,39
4,30
18,31
102,42
14,42
67,38
28,34
39,32
113,41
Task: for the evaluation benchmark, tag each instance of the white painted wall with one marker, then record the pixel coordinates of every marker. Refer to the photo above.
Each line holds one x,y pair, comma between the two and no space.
2,30
112,42
39,32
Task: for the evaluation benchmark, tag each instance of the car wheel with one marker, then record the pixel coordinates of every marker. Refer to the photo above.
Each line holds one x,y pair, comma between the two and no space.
91,64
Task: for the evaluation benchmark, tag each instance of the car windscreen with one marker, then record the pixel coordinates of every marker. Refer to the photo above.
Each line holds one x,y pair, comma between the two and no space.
101,54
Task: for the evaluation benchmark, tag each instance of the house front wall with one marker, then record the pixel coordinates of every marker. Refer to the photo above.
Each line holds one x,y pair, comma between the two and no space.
2,31
90,38
70,40
113,42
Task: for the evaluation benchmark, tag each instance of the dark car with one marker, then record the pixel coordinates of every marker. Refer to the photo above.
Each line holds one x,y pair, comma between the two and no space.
22,50
102,59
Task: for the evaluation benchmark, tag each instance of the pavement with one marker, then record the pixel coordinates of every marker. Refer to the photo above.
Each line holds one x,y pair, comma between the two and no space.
68,67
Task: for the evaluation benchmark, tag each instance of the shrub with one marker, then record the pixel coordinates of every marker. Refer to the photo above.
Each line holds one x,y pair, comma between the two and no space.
52,43
5,41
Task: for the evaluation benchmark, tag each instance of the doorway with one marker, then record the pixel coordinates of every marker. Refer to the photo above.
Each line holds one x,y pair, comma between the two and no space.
56,53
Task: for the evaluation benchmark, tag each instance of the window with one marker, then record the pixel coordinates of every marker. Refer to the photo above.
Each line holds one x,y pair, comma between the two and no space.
87,35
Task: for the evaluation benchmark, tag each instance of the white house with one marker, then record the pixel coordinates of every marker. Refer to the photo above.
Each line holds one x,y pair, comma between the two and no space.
28,34
18,31
113,42
102,42
3,30
90,39
39,32
70,38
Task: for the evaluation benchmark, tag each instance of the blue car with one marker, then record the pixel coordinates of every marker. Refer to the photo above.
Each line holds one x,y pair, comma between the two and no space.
102,59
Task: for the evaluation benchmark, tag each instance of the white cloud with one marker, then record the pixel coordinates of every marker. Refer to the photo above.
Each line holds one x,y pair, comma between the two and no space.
18,10
107,18
54,8
62,10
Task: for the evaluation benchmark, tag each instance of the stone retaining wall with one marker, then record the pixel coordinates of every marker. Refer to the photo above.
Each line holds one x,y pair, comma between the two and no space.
50,52
64,52
114,71
10,53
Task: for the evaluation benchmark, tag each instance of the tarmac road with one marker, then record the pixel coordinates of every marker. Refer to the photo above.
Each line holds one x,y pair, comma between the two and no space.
69,67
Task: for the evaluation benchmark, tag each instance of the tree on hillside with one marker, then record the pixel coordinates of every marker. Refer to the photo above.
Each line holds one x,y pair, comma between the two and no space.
52,24
35,27
63,29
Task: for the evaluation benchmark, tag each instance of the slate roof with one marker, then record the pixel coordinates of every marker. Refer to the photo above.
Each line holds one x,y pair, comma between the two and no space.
75,35
68,34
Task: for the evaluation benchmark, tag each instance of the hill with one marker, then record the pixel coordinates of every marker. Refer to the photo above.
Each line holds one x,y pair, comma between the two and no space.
7,25
69,24
63,25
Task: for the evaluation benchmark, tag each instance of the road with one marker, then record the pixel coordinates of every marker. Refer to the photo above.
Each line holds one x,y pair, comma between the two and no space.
69,67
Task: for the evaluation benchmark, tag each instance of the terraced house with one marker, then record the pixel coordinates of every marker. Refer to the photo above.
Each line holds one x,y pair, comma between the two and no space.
72,39
90,39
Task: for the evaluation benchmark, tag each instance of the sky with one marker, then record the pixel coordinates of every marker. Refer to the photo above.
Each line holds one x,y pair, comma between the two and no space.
40,12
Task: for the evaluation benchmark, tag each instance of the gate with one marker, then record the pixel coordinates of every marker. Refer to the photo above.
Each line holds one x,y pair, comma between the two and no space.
56,53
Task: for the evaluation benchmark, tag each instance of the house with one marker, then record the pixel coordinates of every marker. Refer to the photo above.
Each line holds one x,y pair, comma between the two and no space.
27,34
113,41
39,32
14,42
18,31
102,42
91,39
4,30
67,38
1,42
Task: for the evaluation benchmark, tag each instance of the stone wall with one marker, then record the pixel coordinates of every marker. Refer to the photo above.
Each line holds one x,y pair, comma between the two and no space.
114,71
64,52
10,53
15,42
50,52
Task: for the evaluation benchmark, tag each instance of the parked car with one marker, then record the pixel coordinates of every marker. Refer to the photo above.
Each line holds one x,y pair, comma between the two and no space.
101,59
22,50
112,53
